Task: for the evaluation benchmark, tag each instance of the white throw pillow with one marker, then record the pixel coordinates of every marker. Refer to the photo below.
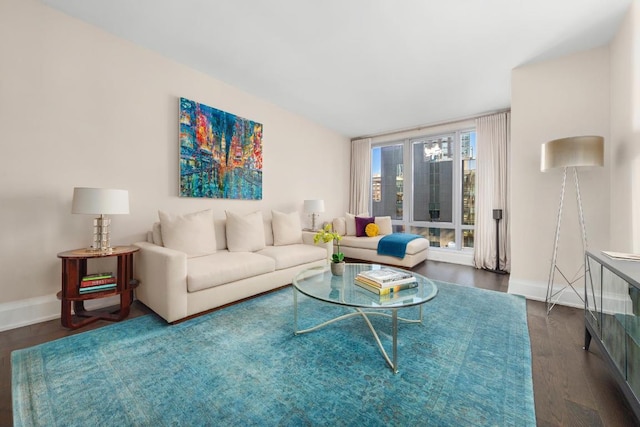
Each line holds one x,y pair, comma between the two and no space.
245,233
384,224
192,233
339,226
351,222
287,229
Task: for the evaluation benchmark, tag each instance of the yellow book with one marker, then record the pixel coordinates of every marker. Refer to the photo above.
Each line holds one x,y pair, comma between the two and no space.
384,276
386,290
372,282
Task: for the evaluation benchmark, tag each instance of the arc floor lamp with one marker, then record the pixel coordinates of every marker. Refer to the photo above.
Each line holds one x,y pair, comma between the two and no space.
569,153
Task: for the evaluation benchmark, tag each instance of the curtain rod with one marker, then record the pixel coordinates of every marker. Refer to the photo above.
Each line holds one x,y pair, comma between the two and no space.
446,122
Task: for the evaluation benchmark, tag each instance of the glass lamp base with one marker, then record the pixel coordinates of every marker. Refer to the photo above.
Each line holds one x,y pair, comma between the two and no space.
101,235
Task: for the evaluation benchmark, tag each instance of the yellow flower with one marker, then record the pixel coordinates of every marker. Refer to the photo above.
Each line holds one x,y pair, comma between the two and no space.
327,235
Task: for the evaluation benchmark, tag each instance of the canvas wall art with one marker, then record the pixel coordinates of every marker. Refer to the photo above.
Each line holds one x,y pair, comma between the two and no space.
220,154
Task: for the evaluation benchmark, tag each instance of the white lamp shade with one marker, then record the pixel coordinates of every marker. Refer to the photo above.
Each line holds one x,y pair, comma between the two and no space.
572,152
100,201
313,206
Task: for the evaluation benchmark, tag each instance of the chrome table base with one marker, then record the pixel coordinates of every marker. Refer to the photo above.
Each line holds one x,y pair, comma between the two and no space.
393,361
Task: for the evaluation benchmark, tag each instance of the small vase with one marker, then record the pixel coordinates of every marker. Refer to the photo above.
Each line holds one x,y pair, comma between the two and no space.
337,268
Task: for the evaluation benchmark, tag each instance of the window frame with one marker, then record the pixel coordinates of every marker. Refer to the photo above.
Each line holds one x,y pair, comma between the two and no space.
407,220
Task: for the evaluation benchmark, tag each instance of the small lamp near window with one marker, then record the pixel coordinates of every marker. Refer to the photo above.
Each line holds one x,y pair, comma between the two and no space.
313,208
102,202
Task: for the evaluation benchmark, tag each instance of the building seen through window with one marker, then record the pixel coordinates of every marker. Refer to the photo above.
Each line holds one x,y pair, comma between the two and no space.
437,198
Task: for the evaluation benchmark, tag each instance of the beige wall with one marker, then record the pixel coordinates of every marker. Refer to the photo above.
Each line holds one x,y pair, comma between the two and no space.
80,107
625,135
564,97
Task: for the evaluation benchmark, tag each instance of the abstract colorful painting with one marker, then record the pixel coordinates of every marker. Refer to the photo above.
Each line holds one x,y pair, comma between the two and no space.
220,154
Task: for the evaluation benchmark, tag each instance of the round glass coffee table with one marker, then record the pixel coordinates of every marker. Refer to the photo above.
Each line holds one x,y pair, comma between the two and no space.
319,284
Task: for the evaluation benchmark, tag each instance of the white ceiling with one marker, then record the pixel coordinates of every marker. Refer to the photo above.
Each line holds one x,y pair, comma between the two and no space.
361,67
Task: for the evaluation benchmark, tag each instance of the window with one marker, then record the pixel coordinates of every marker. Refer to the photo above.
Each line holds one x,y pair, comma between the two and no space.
439,185
388,181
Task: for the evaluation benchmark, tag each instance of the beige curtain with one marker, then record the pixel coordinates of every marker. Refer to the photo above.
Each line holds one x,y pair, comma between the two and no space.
360,183
493,140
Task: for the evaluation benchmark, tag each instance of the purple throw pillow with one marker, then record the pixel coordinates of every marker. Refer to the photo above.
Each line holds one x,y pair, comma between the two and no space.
361,224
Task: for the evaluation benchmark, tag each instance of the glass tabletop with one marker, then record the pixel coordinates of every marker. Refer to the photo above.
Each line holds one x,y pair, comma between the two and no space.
320,284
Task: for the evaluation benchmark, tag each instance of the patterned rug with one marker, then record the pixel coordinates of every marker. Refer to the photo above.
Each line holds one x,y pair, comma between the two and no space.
468,364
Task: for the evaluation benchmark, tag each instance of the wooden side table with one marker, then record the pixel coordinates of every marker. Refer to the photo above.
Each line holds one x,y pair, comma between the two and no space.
74,268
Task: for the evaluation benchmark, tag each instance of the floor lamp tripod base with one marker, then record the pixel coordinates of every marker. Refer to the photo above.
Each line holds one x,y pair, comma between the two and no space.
553,296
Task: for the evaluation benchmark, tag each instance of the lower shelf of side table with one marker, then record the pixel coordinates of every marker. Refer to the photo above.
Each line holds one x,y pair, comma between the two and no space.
82,317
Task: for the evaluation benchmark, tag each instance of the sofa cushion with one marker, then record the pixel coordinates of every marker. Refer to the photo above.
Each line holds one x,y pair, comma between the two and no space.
340,226
225,267
361,242
156,234
384,224
350,223
268,232
417,245
192,233
245,233
293,255
220,225
361,224
287,229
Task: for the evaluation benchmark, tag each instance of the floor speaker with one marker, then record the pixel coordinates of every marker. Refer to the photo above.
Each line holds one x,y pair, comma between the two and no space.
497,215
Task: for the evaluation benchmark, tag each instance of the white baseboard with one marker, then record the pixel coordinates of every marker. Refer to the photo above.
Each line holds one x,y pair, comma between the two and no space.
29,311
451,256
537,291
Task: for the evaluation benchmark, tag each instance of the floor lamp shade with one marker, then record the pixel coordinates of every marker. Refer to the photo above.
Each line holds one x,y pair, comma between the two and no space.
572,152
102,202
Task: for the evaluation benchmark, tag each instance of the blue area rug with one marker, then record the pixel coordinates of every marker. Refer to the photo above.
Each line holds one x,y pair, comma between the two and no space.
469,364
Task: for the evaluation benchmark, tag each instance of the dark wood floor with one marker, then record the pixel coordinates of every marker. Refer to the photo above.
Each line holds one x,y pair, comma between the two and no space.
571,387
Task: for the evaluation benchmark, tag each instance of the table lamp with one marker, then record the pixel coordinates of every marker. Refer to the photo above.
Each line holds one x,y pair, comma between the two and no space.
313,207
103,202
567,153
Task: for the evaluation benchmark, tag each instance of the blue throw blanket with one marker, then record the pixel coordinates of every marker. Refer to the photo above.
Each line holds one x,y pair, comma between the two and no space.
395,244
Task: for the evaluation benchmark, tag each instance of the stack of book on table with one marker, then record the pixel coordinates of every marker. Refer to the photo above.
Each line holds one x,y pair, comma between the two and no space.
385,281
98,282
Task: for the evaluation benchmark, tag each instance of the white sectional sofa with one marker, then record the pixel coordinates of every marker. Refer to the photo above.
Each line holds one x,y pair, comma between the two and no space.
194,263
366,248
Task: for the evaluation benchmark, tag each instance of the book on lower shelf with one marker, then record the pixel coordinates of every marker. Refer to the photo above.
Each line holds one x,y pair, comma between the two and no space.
387,290
97,282
97,288
97,279
97,276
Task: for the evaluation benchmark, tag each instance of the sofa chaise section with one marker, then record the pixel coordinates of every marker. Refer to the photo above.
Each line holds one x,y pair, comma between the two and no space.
365,248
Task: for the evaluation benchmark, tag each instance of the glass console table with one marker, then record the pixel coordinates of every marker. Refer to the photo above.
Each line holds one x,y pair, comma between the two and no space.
612,318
